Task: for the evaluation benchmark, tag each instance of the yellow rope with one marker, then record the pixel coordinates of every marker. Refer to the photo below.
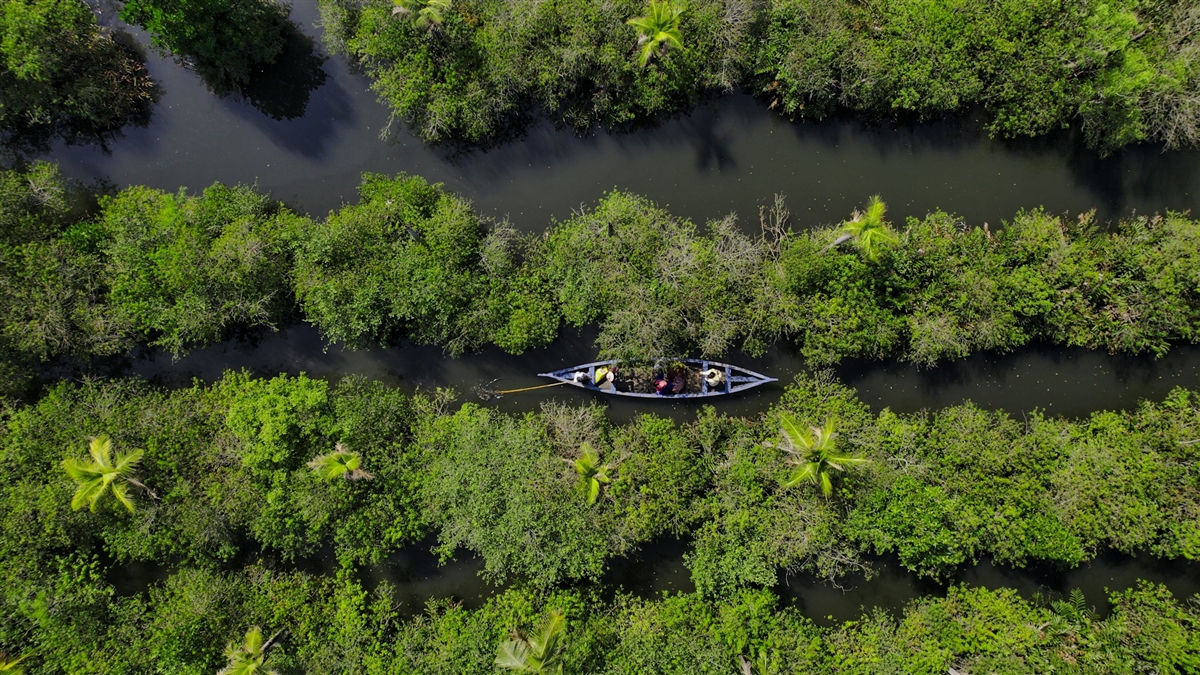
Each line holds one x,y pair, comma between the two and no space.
540,386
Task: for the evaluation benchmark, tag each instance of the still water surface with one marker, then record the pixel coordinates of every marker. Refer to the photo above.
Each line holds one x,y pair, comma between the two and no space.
1064,382
727,155
311,127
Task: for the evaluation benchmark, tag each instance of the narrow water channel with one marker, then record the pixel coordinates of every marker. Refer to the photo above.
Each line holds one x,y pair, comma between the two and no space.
416,578
1068,382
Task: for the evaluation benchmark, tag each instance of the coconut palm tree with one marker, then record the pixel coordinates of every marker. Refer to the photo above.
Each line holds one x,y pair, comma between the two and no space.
540,653
103,475
813,454
868,229
592,474
339,463
660,27
12,666
424,13
248,658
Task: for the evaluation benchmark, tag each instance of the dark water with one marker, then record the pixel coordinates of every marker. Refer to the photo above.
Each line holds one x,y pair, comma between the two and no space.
311,126
416,578
729,155
1064,382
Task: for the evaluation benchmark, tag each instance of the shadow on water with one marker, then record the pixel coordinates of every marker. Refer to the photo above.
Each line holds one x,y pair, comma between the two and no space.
133,109
281,89
892,587
656,568
416,578
1068,382
293,101
727,154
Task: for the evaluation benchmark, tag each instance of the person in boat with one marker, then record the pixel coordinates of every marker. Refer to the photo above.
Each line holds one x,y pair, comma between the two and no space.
715,378
604,377
669,384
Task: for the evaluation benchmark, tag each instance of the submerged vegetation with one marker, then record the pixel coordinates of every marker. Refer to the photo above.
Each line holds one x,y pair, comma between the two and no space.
1126,70
231,465
412,261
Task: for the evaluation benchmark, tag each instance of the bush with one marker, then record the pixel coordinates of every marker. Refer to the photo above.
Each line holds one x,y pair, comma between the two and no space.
186,270
477,74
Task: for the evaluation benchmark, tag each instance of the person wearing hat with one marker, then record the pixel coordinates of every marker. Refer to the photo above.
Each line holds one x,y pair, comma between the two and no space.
715,378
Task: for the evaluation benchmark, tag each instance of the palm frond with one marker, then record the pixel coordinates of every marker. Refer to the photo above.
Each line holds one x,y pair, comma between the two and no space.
13,666
339,463
869,229
513,655
792,431
875,210
645,24
94,478
128,461
847,459
86,493
673,36
547,640
822,437
100,448
120,491
254,641
79,471
807,471
659,26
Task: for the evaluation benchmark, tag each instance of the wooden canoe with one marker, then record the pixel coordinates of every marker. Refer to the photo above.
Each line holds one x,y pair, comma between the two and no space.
736,379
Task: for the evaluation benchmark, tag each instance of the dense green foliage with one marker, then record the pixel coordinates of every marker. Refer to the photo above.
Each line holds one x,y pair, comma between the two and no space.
228,481
187,269
413,261
70,616
1129,70
60,73
944,488
227,464
408,259
225,468
480,72
222,40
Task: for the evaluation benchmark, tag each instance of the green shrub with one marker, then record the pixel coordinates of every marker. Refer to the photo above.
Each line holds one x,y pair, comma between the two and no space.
187,270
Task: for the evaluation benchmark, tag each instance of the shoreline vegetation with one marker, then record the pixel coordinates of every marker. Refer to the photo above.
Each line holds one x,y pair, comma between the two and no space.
206,478
227,487
412,261
64,76
478,71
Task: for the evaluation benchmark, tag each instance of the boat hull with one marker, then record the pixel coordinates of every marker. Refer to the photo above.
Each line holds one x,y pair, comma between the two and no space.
736,380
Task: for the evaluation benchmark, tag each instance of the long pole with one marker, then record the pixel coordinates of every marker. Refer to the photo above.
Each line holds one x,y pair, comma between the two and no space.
540,386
